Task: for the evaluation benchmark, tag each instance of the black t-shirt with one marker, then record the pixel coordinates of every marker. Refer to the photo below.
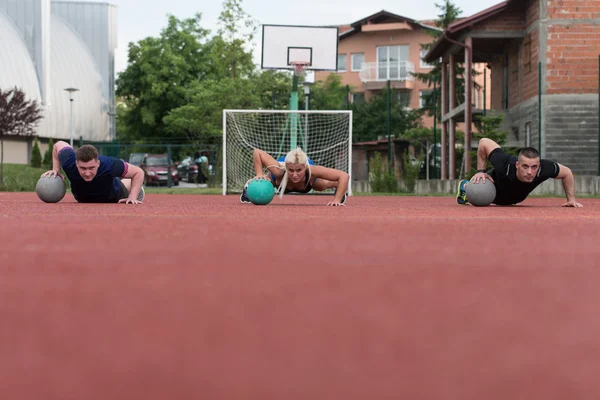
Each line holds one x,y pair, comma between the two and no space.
509,189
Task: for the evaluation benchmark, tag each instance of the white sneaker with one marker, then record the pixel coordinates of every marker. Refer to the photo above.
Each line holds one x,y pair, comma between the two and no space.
142,194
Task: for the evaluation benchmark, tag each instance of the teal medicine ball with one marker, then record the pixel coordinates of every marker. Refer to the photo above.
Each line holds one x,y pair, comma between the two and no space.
260,192
481,194
51,189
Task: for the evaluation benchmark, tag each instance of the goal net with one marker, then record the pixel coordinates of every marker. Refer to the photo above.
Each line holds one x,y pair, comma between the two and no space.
325,136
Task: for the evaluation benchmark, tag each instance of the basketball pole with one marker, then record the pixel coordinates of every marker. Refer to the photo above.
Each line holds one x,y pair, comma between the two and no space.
294,116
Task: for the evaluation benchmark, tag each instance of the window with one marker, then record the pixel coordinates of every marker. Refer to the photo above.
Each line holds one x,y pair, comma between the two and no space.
357,61
528,134
423,63
341,63
403,97
425,98
358,98
392,62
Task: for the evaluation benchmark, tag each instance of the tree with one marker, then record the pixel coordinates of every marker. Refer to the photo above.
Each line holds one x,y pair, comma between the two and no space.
200,120
159,73
235,35
18,116
370,118
329,94
202,116
273,89
164,73
36,155
47,163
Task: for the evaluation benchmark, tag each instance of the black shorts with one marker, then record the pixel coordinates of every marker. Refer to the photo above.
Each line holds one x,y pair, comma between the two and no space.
123,192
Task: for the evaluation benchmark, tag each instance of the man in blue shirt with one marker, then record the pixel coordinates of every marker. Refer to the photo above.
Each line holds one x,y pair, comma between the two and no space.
95,178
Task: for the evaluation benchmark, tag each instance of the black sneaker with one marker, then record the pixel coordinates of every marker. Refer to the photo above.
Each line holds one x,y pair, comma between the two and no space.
244,196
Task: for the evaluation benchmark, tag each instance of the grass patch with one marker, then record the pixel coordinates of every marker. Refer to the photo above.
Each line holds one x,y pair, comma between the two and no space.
20,178
407,194
154,190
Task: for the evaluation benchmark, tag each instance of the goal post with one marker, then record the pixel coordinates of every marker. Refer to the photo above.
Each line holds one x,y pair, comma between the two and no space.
325,136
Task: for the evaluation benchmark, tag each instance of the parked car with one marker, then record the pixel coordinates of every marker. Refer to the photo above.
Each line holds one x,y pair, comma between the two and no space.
136,158
156,167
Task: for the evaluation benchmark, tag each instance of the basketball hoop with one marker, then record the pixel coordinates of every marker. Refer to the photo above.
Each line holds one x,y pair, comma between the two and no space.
300,67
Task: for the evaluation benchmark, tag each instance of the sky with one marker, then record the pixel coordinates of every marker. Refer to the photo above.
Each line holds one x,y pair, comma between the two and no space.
138,19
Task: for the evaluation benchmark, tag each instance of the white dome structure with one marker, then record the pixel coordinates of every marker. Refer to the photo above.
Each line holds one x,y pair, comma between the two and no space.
16,68
49,46
73,66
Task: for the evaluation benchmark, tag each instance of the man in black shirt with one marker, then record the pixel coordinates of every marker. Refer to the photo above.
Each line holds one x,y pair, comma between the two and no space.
516,177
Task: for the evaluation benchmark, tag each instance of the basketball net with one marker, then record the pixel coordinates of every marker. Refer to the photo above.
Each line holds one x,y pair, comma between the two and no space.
300,68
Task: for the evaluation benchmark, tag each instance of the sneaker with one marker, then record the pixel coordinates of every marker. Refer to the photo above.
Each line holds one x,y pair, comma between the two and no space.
244,196
461,195
142,194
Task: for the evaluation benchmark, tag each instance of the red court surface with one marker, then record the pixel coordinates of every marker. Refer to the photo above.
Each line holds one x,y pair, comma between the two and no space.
201,297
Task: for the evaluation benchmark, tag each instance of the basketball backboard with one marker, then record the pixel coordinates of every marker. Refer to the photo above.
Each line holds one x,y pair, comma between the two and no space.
282,45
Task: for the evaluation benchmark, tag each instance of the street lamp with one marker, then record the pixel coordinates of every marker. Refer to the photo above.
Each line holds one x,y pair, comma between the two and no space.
309,79
71,90
306,94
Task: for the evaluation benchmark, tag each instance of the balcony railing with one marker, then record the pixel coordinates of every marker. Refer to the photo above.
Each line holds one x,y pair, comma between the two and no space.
383,71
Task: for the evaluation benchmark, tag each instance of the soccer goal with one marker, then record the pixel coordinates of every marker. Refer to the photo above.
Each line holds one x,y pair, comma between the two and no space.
325,136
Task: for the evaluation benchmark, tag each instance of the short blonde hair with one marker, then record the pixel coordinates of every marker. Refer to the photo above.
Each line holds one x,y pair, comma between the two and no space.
296,156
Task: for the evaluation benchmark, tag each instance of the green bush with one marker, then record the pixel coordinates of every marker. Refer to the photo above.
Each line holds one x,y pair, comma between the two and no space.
20,178
381,179
23,178
411,172
36,155
47,163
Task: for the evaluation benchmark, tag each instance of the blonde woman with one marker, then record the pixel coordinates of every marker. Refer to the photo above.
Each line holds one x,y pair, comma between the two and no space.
296,173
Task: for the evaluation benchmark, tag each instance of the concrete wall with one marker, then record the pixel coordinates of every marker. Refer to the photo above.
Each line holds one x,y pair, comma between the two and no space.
18,150
570,131
360,165
15,152
520,118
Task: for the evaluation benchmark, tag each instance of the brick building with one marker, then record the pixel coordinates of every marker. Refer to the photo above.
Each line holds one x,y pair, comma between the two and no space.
386,46
518,39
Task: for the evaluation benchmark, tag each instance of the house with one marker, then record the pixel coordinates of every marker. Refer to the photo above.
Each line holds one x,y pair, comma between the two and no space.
387,47
543,57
